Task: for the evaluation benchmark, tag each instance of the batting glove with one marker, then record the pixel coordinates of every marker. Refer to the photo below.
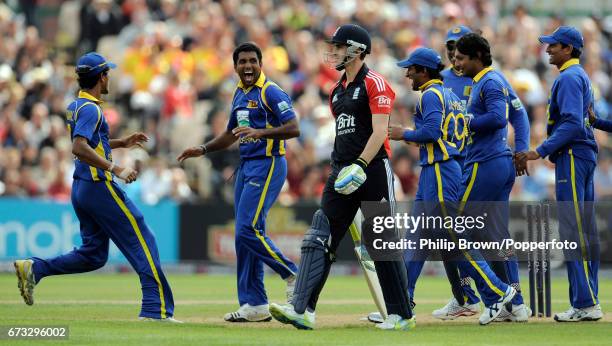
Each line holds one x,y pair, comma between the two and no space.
351,177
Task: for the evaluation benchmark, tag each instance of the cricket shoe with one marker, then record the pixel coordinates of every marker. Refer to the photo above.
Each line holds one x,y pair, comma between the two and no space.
492,311
290,288
396,322
453,310
25,279
248,313
286,314
375,317
161,320
519,313
592,313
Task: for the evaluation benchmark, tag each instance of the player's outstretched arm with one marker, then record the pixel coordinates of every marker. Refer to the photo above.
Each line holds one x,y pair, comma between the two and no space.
137,138
600,124
220,142
86,154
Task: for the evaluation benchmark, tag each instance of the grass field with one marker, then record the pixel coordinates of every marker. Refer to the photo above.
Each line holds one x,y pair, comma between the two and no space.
102,309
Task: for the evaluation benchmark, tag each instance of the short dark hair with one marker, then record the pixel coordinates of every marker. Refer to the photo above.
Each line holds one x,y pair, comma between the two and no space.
475,46
246,47
433,73
576,53
88,82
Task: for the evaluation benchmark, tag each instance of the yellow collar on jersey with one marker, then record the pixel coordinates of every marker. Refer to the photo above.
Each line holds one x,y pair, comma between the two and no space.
570,62
260,83
482,73
85,95
430,83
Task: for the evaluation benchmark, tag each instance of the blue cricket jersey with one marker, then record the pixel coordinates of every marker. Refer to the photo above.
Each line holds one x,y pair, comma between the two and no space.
567,112
263,105
488,129
461,87
517,115
85,119
459,84
435,120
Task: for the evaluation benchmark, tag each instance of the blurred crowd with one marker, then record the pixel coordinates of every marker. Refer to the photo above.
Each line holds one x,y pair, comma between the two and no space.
175,82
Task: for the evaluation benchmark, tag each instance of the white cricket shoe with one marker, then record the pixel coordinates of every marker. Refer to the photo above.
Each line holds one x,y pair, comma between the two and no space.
25,279
492,311
162,320
286,314
248,313
452,310
396,322
375,317
290,288
592,313
519,313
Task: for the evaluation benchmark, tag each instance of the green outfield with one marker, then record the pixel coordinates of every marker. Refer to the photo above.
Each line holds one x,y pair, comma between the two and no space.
102,309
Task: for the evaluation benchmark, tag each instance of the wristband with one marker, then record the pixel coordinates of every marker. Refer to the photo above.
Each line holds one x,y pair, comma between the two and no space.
361,163
110,169
204,149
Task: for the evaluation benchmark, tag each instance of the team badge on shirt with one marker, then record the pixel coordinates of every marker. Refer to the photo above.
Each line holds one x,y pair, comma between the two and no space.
252,104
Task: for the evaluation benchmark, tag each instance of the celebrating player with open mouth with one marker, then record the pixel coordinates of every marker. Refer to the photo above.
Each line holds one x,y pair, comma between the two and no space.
261,119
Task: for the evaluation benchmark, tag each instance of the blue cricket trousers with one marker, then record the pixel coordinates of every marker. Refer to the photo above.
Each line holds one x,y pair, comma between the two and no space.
575,195
258,183
442,182
487,182
104,213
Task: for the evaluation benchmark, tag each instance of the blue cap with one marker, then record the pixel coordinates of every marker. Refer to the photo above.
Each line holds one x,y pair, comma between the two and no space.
565,35
92,64
426,57
457,32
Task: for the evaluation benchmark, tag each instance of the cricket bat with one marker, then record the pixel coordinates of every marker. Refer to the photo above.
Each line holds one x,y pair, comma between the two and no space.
367,264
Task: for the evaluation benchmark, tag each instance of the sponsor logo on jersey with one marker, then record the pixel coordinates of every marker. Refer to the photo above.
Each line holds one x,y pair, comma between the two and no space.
243,140
345,124
516,103
283,106
383,101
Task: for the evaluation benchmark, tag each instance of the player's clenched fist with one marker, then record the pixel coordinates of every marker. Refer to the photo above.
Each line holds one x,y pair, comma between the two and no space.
126,174
396,133
191,152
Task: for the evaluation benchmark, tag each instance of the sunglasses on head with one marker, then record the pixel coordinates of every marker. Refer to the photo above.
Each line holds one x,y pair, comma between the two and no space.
85,69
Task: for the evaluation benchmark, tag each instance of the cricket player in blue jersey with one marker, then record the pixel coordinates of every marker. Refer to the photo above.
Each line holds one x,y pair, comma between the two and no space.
464,301
261,119
489,172
104,211
517,116
571,146
440,179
